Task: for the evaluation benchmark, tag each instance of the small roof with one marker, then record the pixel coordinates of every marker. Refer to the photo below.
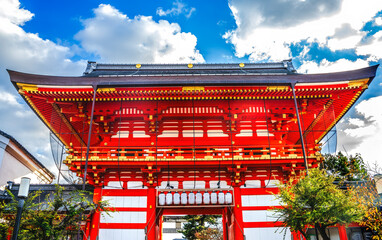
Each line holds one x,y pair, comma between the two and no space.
38,163
95,69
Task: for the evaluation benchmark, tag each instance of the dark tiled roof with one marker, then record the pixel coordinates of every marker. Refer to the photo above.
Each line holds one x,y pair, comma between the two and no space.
95,69
27,153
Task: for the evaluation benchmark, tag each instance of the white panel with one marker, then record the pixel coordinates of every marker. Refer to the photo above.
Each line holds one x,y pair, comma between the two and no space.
190,185
114,185
117,201
169,133
216,133
273,233
140,134
245,133
121,134
121,234
252,184
259,216
123,217
191,133
135,185
263,133
174,184
271,183
223,184
259,200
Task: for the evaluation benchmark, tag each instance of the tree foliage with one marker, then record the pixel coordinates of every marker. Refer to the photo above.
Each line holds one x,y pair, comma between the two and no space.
371,203
203,227
58,216
350,168
353,168
313,200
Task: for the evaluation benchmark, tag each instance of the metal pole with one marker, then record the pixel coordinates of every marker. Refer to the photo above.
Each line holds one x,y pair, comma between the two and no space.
18,219
89,137
299,127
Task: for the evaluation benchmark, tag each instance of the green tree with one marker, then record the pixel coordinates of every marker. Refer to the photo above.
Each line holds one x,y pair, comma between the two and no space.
202,227
56,217
350,168
314,201
354,169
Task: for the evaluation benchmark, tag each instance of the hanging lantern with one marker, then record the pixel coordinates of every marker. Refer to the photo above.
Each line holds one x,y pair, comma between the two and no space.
221,199
183,198
191,198
214,198
176,198
199,198
162,199
206,198
228,198
168,198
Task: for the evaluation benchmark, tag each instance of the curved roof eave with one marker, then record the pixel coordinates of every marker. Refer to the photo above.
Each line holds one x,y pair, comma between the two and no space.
26,78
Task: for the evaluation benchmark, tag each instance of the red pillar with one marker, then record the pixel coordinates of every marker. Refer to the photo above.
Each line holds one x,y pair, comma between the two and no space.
160,227
296,236
151,214
94,223
342,232
238,215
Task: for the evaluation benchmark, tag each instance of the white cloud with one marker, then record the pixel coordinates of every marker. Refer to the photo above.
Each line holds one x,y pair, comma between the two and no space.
7,99
325,66
378,21
140,39
23,51
374,48
10,11
362,133
28,52
177,9
263,33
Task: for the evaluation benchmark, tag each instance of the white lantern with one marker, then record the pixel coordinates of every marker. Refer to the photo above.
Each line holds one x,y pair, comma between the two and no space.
214,198
221,199
183,198
168,198
191,198
206,198
176,198
24,187
228,198
199,198
162,199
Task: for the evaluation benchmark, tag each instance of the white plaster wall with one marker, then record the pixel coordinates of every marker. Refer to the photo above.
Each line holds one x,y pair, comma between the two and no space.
266,233
121,234
114,185
223,184
3,144
122,201
190,185
11,169
163,184
259,216
252,184
259,200
135,185
123,217
271,183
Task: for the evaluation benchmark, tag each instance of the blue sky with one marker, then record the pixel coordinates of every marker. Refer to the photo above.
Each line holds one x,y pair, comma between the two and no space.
208,21
59,37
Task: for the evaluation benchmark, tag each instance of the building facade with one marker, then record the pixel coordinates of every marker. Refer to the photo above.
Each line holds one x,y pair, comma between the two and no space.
161,140
17,162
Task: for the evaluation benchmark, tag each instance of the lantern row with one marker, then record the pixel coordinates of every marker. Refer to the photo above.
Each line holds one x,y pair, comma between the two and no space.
191,198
